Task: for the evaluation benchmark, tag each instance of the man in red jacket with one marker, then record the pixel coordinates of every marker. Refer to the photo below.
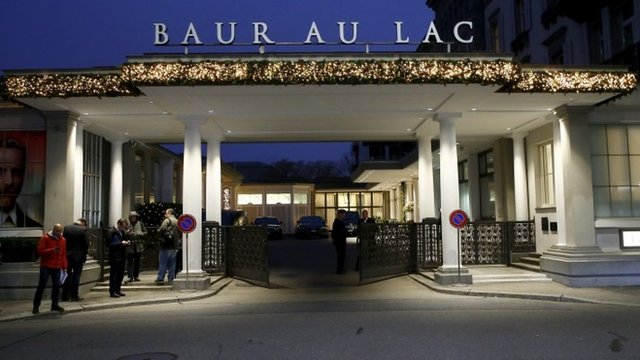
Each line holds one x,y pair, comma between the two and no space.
52,249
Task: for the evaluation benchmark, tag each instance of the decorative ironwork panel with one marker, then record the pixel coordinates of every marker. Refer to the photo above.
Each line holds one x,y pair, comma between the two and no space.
213,248
247,255
429,245
523,236
387,249
482,243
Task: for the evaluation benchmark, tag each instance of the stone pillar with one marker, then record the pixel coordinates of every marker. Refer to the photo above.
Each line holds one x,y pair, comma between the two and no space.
214,180
577,260
192,276
78,171
60,184
451,270
425,204
520,177
115,196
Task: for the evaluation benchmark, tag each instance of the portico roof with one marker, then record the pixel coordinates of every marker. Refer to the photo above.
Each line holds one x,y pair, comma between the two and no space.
339,97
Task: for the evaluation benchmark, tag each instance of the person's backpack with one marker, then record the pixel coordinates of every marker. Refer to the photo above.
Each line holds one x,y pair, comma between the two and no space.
170,237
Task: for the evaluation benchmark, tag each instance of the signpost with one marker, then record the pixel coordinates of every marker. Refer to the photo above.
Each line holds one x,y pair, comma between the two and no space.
186,224
458,219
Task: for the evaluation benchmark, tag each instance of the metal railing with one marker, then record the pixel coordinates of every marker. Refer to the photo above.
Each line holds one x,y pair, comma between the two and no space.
481,242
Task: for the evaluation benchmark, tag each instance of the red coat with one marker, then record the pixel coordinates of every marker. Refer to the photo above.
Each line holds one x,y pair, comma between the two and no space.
53,252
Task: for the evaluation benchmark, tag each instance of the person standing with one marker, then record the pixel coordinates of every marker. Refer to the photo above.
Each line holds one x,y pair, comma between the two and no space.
365,219
117,255
134,251
339,236
77,249
53,261
168,247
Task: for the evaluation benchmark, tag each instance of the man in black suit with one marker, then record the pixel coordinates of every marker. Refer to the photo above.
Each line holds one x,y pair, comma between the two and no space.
339,236
12,169
365,219
77,248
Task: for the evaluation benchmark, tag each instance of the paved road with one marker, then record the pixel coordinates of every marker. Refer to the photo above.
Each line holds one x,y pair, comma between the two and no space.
315,314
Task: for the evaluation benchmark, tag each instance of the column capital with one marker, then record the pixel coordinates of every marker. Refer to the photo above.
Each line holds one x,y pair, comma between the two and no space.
190,121
450,117
518,135
212,137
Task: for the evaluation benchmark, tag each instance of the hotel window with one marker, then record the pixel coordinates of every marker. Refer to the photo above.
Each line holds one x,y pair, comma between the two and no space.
487,187
463,185
278,198
300,198
555,46
547,192
622,25
615,169
249,199
92,179
139,178
596,41
519,16
494,33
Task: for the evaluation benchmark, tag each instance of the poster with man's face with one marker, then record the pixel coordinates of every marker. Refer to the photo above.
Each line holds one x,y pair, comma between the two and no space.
22,167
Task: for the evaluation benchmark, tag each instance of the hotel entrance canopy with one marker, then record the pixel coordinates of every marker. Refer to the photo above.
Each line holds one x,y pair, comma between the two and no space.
314,97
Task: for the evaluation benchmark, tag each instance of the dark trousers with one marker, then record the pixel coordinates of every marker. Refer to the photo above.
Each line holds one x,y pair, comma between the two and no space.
341,251
72,284
116,274
45,273
133,265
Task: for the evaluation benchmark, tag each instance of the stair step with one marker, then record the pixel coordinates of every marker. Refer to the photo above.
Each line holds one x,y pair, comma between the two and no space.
509,278
526,266
530,260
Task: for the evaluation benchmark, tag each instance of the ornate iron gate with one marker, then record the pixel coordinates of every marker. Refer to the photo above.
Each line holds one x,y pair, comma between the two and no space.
387,250
239,251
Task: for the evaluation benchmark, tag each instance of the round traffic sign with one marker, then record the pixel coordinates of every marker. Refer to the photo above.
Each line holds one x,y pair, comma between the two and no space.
458,218
186,223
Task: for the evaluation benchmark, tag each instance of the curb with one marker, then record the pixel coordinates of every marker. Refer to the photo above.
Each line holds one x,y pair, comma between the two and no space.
423,280
216,287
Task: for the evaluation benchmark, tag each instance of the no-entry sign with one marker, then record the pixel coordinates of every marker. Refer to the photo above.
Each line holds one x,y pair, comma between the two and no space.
186,223
458,218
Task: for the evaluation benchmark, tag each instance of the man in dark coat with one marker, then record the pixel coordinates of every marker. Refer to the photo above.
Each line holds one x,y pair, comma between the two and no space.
117,257
339,236
77,248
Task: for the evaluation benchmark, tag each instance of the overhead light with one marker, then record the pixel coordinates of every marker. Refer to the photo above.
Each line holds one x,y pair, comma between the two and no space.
150,101
228,131
429,109
508,129
473,109
409,129
85,113
210,111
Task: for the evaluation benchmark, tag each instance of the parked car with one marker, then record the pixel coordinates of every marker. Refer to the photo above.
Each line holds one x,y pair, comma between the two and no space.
308,226
273,225
351,220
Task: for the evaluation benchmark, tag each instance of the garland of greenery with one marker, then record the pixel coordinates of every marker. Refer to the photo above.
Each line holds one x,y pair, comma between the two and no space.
503,73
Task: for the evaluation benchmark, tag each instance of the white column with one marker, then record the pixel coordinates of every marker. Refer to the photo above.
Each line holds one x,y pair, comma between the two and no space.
450,201
192,276
78,178
426,203
115,198
214,180
520,177
572,175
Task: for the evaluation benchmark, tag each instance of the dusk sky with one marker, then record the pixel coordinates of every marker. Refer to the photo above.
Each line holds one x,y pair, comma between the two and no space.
45,34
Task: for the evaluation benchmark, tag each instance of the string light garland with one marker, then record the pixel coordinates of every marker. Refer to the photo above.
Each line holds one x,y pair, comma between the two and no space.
67,85
503,73
574,81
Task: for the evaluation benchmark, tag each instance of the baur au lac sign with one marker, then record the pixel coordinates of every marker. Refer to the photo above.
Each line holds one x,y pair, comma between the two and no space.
225,34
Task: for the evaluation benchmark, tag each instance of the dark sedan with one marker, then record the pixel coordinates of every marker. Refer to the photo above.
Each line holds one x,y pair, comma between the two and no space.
310,226
273,225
